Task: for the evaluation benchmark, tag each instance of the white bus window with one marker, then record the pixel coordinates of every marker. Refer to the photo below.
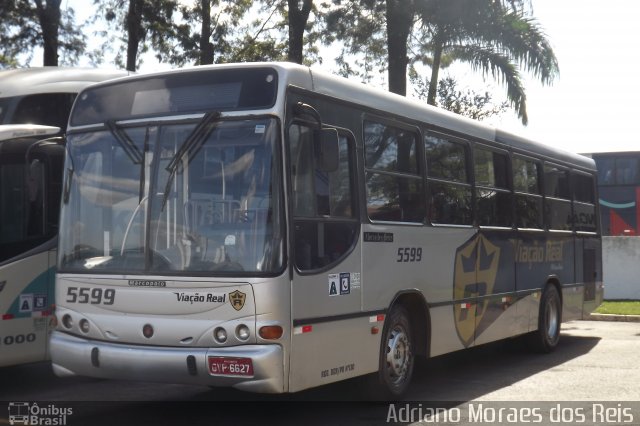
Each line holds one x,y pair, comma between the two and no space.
493,197
450,200
325,224
394,185
50,109
157,205
35,208
584,207
558,213
527,193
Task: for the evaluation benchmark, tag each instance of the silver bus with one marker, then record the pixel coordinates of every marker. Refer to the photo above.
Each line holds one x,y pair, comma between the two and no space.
273,228
34,105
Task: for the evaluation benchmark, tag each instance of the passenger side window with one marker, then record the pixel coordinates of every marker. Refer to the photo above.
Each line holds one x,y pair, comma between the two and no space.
528,198
23,213
394,184
448,181
51,109
493,196
558,214
325,222
584,207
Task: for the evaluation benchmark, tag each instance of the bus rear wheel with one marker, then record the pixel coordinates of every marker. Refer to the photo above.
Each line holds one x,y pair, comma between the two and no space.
396,356
545,339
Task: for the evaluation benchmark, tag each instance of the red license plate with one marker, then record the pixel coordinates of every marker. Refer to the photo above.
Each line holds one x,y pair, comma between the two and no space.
227,366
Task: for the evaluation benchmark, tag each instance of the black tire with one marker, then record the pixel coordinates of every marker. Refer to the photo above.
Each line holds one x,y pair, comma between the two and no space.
545,339
397,357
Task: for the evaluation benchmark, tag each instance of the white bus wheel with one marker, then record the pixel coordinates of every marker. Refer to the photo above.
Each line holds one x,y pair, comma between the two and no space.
545,339
397,357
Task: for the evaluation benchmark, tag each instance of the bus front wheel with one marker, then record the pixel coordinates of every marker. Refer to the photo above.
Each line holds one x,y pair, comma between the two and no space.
396,356
546,337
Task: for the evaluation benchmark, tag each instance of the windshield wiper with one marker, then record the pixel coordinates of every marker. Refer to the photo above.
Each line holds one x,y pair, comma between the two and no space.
191,144
71,168
125,142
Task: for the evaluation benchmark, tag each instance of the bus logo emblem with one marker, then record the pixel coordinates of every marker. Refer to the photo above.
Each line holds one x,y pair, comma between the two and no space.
476,269
237,299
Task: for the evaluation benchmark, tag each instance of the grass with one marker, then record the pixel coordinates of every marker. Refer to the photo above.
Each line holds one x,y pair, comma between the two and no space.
619,307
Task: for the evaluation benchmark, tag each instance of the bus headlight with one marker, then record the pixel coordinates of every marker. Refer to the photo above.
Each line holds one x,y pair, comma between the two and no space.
67,321
220,334
84,325
147,331
242,332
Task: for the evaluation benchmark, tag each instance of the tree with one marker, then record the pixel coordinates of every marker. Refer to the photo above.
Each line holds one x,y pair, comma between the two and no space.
358,26
135,32
467,103
206,33
298,15
145,23
206,47
493,36
39,23
377,32
49,16
399,20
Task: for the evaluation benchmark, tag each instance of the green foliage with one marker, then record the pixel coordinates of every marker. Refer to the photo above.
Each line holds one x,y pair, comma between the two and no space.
468,103
358,28
141,25
619,307
497,38
22,30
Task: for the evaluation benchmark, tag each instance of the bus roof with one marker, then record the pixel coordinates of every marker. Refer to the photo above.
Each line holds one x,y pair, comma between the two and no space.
328,84
27,81
420,111
11,131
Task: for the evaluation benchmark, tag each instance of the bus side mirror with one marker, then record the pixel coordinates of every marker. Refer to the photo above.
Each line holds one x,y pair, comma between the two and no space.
327,152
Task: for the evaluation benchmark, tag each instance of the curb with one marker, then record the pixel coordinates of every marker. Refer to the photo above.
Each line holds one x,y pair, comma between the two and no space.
613,317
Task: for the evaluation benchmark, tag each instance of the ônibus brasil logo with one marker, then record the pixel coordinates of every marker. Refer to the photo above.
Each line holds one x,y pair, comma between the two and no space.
25,413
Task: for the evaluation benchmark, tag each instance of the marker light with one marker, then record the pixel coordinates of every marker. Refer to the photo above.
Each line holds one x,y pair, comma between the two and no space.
271,332
84,325
67,321
242,332
147,331
220,334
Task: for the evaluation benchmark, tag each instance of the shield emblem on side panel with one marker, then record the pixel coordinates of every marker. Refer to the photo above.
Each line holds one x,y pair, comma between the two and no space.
476,268
237,299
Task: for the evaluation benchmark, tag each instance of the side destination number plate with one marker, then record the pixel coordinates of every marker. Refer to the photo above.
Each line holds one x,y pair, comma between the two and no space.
228,366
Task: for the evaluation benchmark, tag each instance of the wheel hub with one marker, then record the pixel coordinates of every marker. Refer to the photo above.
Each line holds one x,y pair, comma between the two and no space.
398,354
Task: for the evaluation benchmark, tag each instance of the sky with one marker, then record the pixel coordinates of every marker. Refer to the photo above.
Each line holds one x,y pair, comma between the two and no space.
593,105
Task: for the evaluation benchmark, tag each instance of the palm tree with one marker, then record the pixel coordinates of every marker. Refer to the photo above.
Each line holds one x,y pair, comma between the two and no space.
495,37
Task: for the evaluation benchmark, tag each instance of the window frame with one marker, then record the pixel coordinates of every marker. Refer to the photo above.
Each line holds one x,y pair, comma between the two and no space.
548,199
352,150
581,203
539,196
498,190
419,175
467,185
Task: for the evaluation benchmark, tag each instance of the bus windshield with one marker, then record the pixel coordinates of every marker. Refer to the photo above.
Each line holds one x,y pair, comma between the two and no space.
198,196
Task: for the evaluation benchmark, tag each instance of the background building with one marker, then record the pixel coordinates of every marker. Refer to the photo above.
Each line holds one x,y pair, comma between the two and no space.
619,196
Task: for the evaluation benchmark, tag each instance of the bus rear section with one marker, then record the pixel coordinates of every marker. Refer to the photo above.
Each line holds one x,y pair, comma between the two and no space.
34,106
30,176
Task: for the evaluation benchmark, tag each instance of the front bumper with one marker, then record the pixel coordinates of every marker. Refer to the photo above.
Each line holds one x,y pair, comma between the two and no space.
73,355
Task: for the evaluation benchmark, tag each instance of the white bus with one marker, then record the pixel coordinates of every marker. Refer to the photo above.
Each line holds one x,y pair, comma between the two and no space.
34,105
273,228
